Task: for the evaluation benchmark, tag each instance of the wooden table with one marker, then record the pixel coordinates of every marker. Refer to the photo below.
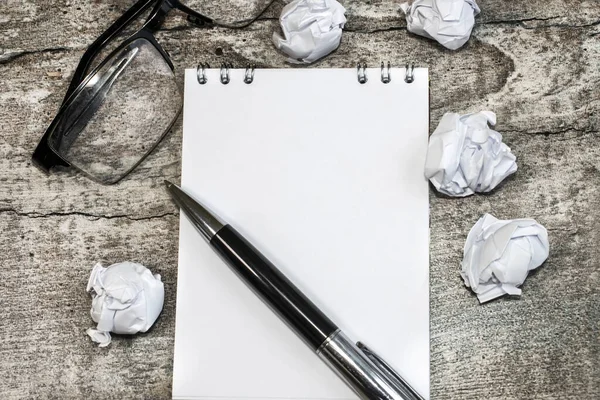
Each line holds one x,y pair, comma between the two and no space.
536,63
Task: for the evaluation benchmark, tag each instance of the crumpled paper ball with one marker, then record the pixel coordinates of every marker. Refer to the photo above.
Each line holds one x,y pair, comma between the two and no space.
466,156
311,29
127,299
499,255
449,22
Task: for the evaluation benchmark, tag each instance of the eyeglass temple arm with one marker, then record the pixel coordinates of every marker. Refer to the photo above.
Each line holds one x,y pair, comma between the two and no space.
192,16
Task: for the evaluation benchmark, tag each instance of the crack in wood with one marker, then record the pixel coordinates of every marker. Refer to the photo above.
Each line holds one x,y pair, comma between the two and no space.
520,22
11,56
583,132
375,30
84,214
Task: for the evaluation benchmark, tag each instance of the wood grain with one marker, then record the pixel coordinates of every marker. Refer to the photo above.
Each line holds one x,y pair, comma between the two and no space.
535,63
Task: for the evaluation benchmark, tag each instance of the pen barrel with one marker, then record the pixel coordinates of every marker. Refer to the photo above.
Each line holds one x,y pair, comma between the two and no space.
261,276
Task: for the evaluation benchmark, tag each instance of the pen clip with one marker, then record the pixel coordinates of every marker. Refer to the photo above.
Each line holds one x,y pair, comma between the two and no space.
401,385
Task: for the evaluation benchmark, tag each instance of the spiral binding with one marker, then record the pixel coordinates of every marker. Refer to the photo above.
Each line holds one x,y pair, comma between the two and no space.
409,77
201,73
225,73
386,73
361,73
249,74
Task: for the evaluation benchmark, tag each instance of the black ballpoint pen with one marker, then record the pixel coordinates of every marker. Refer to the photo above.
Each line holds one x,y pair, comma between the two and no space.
361,369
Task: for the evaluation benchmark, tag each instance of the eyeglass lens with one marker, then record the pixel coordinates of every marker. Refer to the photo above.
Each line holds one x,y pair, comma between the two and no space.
120,115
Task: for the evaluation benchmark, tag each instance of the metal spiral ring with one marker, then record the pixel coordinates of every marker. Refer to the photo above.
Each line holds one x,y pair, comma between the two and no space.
201,73
410,73
386,74
249,74
225,78
361,73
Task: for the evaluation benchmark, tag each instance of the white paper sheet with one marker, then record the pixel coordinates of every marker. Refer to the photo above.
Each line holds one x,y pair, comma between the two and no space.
317,172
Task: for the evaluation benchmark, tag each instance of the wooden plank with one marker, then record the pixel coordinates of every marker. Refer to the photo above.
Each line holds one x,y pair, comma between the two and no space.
26,24
537,81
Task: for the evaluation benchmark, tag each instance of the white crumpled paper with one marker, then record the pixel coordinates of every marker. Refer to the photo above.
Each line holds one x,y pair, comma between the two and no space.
450,22
499,255
311,29
127,299
466,156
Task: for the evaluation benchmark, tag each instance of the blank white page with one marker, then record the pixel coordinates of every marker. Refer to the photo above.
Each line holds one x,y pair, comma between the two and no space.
325,177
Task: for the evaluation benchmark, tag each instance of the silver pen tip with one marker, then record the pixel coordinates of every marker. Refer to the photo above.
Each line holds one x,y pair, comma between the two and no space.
205,221
177,194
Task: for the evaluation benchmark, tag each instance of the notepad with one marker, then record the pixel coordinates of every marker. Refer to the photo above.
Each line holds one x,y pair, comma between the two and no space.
324,175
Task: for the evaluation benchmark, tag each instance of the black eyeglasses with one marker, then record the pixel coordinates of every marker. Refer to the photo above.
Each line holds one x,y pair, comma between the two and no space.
113,117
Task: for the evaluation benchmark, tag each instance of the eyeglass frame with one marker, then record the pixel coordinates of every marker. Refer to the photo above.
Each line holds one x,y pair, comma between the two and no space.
44,156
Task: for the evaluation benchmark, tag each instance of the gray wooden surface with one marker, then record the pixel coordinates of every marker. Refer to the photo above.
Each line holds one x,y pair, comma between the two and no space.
536,63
